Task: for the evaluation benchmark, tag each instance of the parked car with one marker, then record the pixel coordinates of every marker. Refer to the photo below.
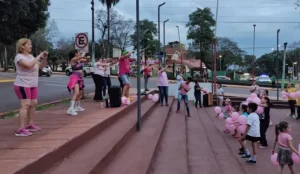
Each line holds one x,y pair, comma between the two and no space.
46,71
264,78
223,78
88,69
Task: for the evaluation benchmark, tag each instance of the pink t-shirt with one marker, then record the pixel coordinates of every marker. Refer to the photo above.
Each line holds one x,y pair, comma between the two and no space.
26,77
124,65
185,89
162,79
284,138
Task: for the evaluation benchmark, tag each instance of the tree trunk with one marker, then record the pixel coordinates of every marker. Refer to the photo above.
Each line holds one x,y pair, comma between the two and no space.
5,59
108,31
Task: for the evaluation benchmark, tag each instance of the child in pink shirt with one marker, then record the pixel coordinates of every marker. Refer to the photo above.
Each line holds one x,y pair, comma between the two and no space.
184,88
285,148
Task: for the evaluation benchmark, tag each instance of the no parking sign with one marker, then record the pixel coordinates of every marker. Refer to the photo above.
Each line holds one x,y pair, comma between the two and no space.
82,42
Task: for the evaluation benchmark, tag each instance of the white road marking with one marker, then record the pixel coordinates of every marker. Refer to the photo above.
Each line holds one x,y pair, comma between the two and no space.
49,84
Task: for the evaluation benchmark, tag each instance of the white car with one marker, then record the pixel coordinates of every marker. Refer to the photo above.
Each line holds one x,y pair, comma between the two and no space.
264,78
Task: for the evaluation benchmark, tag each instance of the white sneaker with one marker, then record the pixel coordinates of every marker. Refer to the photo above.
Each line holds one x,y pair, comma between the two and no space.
294,116
102,105
79,109
71,112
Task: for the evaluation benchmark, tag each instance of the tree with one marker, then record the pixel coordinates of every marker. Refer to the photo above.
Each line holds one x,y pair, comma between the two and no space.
21,19
148,30
200,23
109,4
121,28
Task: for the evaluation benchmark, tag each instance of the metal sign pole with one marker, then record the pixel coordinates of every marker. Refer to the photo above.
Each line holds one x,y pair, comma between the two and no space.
138,66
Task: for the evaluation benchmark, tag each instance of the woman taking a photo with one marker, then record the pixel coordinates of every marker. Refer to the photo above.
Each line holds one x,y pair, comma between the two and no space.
162,84
26,83
76,80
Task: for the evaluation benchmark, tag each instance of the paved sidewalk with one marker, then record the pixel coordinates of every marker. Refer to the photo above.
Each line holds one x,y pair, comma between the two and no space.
264,164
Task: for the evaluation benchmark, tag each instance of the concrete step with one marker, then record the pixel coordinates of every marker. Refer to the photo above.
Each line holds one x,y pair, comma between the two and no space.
95,155
137,155
201,157
172,150
226,161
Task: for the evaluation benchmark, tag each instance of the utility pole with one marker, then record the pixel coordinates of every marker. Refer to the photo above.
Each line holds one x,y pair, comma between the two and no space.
164,30
93,34
159,32
283,66
277,66
139,123
253,54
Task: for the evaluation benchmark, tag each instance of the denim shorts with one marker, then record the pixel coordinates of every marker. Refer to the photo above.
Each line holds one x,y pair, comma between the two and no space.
125,79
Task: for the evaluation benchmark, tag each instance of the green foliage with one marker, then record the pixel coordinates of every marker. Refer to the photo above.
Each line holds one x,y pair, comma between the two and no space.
21,18
148,30
109,3
200,31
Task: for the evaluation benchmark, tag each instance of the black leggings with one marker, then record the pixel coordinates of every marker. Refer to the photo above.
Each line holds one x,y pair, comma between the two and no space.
264,125
163,93
292,104
99,87
198,99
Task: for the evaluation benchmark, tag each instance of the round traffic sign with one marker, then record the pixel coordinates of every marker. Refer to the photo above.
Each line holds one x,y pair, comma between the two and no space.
81,40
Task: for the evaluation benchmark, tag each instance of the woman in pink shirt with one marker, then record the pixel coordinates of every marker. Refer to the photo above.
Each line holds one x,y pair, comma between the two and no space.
25,85
147,75
285,148
162,84
184,88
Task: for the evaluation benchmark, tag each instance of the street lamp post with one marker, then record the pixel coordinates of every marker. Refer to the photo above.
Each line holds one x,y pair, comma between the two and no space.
277,65
159,31
165,40
294,63
253,54
283,67
139,124
220,62
179,47
93,33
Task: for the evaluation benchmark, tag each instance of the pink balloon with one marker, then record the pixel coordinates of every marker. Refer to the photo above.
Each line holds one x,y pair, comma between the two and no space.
218,109
284,93
256,100
125,101
292,95
235,116
242,129
298,94
260,110
242,120
236,124
150,96
249,100
274,159
229,121
245,103
232,127
253,95
296,158
227,126
284,96
155,98
221,116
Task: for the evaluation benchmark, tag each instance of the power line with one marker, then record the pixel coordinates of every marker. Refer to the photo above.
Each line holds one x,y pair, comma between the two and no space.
225,22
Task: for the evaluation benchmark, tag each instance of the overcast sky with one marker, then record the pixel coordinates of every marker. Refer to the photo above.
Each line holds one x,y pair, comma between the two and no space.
236,19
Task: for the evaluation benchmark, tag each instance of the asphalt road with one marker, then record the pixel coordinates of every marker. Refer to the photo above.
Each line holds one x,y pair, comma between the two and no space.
55,88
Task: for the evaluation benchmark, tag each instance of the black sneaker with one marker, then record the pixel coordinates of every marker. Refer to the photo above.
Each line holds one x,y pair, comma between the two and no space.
242,153
241,149
246,156
251,161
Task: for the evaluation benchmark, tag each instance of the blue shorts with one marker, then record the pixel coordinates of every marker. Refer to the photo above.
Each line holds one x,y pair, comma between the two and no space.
125,79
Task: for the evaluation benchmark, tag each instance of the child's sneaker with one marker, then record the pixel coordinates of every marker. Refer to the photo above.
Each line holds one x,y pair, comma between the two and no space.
262,147
32,128
246,156
79,109
251,161
23,133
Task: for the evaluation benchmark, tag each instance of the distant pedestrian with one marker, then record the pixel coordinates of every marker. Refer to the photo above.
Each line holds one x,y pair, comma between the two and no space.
197,94
273,79
292,101
220,95
147,74
26,85
255,89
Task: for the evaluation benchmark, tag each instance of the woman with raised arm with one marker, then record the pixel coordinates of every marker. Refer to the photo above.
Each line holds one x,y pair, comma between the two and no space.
26,85
76,80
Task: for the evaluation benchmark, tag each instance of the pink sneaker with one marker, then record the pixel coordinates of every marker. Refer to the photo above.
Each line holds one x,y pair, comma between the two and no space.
33,128
23,133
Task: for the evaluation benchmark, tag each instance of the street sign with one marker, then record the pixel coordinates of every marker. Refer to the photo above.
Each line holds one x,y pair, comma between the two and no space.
82,42
290,70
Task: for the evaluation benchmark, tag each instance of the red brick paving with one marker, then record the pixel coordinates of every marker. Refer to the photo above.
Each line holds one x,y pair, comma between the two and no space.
57,129
264,164
172,153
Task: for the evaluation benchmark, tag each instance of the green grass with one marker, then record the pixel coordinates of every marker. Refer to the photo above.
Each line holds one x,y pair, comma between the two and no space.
13,114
